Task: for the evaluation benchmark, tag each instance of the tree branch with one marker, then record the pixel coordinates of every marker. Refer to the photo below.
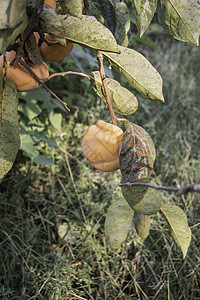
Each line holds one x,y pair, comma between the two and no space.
103,79
182,190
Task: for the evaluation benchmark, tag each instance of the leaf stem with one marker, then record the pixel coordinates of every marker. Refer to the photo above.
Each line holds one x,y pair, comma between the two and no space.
103,79
66,73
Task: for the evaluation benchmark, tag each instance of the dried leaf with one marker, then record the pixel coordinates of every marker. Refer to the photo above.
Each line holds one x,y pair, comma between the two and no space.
138,71
123,101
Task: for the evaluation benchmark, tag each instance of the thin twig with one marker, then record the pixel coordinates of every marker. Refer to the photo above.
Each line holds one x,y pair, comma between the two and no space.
182,190
41,82
103,78
66,73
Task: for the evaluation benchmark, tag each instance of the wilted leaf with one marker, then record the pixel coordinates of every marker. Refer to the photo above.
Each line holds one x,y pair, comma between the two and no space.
142,199
137,154
33,49
177,221
181,19
50,23
142,224
145,12
138,71
107,10
71,7
88,32
118,220
9,131
123,101
123,23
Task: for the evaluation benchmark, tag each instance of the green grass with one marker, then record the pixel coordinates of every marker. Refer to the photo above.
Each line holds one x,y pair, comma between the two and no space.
38,203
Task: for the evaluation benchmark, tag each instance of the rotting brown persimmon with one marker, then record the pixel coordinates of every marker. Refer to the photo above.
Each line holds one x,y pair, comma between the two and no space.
100,145
54,52
23,80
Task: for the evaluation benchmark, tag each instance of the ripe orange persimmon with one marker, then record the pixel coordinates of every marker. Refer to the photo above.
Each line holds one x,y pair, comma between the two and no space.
55,52
23,80
51,3
100,145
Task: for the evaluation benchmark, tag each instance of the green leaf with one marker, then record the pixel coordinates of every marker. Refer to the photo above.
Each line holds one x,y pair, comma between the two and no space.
71,7
12,14
178,224
30,109
56,120
142,199
88,32
50,23
142,225
138,71
118,220
27,145
145,12
181,19
108,13
123,101
123,23
9,130
137,154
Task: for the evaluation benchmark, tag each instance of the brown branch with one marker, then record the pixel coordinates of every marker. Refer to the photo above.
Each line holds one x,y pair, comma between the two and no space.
182,190
41,82
103,79
65,73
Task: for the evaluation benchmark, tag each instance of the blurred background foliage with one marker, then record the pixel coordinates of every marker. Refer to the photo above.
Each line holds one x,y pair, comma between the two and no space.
53,203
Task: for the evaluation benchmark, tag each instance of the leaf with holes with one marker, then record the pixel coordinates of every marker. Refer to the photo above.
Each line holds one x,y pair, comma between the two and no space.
9,131
178,224
118,220
138,71
123,101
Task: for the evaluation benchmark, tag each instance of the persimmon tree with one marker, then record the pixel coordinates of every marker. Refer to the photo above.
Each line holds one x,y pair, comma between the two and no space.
33,30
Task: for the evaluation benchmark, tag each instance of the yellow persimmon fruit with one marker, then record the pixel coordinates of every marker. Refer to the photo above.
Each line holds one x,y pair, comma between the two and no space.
51,3
100,145
54,52
23,80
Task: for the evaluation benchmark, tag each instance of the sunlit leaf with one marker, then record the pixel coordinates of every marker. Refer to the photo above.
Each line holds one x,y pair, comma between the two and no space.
181,19
138,71
178,224
123,101
145,12
88,32
142,224
118,220
9,131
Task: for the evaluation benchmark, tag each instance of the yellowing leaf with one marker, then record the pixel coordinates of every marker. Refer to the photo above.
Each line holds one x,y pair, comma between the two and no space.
88,32
138,71
9,131
177,221
118,220
123,101
71,7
